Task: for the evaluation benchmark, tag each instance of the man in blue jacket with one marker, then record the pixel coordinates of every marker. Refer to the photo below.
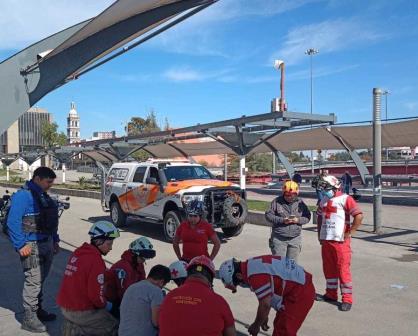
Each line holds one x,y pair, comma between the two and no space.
32,226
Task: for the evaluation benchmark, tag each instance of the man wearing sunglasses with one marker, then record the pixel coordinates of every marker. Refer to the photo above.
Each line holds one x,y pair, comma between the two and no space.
127,271
195,233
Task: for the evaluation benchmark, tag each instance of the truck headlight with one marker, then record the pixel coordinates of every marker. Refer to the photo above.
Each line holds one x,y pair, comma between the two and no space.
188,198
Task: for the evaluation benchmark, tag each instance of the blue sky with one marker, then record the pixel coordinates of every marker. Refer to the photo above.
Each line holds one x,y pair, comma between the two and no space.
218,64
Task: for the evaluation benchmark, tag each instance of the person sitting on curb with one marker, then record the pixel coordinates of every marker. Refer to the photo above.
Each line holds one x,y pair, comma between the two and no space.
81,295
127,271
287,214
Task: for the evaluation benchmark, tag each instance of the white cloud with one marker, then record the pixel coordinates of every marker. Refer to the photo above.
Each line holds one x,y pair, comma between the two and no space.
328,36
187,74
26,22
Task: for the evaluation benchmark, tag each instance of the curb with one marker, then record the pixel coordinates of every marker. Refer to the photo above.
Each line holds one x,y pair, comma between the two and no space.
61,191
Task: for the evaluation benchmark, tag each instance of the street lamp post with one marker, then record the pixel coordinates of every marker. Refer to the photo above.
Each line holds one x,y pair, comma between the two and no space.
386,93
311,52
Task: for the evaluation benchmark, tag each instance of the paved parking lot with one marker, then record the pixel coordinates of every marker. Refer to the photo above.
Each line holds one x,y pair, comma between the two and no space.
385,272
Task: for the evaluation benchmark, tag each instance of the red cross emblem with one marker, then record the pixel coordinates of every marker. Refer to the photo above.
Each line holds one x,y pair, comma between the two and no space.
174,273
329,209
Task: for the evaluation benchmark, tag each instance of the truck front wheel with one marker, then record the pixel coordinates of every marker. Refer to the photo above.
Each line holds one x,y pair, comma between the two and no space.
117,215
171,223
232,231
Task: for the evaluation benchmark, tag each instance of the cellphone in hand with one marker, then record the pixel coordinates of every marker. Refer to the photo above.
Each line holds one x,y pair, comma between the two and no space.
292,217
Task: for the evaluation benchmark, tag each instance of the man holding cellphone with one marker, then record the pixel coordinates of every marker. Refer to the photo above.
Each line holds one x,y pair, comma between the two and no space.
287,214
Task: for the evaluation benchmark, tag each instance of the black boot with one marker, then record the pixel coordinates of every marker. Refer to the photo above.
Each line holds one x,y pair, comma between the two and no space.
324,298
44,316
31,322
345,306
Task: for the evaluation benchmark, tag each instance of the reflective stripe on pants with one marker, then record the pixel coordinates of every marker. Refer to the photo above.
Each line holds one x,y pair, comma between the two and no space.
336,262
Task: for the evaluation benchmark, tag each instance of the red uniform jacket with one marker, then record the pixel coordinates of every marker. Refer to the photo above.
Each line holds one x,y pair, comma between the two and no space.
121,275
83,282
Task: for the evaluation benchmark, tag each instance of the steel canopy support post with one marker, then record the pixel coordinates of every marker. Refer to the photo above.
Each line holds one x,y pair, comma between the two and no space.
273,165
360,165
282,158
7,173
63,173
286,163
242,172
377,161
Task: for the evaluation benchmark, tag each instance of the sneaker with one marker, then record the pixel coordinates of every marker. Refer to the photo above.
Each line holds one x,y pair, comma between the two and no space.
345,306
324,298
44,316
31,323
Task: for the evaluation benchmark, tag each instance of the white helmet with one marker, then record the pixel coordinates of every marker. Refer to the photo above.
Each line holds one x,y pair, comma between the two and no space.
226,273
332,181
142,247
178,269
104,229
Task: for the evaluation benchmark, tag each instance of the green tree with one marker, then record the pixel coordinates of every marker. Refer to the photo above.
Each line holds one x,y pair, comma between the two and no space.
340,156
167,126
139,125
256,163
51,136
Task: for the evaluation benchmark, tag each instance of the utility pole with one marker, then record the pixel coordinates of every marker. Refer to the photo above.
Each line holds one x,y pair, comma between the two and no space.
311,52
377,161
386,93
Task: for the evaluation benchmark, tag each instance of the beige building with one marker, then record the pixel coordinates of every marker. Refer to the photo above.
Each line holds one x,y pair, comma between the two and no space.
26,132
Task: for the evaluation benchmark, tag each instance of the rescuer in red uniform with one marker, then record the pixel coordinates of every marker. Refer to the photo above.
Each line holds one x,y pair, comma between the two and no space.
334,234
278,283
81,295
127,271
194,308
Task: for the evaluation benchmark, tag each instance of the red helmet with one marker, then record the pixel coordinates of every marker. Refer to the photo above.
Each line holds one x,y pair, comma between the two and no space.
202,261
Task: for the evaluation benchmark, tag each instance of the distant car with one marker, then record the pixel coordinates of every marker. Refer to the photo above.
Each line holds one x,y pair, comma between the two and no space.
159,190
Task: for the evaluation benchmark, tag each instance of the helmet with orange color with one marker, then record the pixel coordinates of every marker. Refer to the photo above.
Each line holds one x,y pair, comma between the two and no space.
202,265
290,187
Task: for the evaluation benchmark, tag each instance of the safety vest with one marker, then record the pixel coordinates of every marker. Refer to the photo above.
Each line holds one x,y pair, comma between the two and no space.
333,218
46,221
285,269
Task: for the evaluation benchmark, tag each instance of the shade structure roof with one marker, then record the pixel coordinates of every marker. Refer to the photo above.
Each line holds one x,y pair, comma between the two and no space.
330,137
32,73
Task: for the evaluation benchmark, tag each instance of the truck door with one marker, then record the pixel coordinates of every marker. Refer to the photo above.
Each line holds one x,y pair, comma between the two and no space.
153,190
137,191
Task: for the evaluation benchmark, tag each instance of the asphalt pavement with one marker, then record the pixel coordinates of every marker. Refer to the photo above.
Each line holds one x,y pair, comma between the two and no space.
385,272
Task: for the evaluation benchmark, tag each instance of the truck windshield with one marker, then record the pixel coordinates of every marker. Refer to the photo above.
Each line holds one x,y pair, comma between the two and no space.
179,173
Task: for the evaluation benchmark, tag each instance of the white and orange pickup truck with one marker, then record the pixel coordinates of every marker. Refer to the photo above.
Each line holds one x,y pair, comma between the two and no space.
157,191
